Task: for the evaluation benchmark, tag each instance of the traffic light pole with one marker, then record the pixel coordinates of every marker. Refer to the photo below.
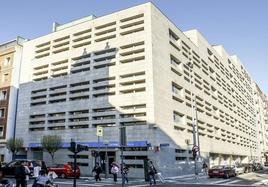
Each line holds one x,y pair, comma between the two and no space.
76,148
75,158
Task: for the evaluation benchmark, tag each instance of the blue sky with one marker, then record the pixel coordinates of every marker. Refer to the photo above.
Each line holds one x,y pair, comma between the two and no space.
241,26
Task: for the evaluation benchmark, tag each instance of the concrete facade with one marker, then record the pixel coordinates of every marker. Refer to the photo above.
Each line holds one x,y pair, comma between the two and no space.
129,68
10,60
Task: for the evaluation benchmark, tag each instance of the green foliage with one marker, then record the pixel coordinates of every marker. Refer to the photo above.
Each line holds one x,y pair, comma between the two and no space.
14,145
51,143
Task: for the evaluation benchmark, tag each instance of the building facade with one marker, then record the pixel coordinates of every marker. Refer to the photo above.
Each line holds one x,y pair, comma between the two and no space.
131,68
10,60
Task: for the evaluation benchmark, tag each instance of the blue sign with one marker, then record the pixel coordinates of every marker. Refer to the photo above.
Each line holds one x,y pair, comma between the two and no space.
97,144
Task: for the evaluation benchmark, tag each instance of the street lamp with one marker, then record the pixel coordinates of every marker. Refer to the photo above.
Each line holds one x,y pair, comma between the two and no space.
196,146
106,143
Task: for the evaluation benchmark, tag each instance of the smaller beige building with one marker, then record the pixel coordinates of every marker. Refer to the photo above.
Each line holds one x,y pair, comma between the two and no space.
10,61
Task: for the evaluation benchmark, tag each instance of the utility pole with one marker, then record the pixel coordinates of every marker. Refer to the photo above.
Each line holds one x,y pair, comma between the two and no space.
106,159
195,148
99,134
123,144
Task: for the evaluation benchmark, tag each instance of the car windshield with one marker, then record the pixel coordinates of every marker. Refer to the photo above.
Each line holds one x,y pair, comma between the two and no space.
217,167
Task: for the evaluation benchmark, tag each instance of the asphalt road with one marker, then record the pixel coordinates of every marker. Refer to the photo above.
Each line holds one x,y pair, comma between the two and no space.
245,180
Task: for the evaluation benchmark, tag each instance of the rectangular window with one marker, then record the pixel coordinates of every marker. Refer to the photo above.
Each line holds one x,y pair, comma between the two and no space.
7,61
3,95
177,117
2,112
5,77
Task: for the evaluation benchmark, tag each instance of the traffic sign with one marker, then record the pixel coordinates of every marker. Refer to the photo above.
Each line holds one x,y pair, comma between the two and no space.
195,148
99,131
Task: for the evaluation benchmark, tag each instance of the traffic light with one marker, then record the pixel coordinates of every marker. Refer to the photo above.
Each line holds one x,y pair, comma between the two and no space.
194,154
72,147
81,148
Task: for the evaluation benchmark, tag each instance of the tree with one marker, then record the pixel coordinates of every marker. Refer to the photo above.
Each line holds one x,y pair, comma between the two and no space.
14,145
51,143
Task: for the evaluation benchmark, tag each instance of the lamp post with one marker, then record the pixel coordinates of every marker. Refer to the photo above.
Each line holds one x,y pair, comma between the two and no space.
106,143
196,146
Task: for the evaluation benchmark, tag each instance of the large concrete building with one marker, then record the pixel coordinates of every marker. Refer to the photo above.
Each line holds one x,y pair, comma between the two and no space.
10,60
131,68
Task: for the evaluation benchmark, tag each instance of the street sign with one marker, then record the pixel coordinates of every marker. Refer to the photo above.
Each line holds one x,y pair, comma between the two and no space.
195,148
99,131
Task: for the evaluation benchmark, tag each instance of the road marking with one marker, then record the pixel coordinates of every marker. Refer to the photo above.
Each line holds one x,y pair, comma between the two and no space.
222,184
219,181
140,185
80,184
234,181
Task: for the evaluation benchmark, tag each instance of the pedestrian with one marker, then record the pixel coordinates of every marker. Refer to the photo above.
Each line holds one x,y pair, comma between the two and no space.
97,170
152,172
27,171
205,168
42,180
36,173
125,172
115,170
44,167
20,175
36,170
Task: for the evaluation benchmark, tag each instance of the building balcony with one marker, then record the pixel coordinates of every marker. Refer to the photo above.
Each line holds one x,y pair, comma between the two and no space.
85,67
77,123
135,56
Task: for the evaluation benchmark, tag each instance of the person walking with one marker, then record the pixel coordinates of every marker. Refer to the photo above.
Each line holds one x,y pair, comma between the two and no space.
36,172
97,170
44,167
125,172
152,172
115,170
27,171
205,168
20,175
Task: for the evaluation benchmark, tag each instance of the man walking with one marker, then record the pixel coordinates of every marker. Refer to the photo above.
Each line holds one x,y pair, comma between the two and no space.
20,175
151,171
97,170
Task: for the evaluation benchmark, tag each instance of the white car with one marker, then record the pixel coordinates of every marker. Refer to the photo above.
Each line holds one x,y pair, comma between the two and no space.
239,169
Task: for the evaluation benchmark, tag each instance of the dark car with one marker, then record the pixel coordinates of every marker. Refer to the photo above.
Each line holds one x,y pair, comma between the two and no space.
248,167
65,170
257,166
9,168
221,171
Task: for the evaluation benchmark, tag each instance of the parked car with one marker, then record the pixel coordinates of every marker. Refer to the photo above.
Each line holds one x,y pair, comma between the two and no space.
221,171
9,168
248,167
265,163
257,167
65,170
239,169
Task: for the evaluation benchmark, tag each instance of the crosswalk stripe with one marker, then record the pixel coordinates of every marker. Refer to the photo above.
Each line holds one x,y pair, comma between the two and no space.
139,185
234,181
221,184
220,181
80,184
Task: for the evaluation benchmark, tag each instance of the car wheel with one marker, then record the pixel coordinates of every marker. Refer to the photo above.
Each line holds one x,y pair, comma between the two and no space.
227,176
62,175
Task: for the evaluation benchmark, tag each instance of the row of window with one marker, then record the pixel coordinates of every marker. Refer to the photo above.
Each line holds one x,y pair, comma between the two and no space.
131,52
83,38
